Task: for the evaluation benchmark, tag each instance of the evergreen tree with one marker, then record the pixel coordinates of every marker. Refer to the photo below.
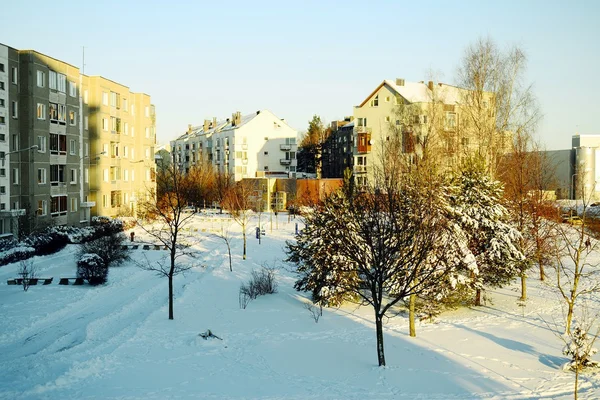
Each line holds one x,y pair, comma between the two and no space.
493,242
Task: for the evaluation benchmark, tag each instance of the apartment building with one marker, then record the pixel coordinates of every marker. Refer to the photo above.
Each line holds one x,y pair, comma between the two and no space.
122,131
257,145
417,110
52,139
338,150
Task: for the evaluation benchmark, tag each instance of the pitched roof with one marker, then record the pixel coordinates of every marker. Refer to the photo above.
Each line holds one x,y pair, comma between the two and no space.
419,92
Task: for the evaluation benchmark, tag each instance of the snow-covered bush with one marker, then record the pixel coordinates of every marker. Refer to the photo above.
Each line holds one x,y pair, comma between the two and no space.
15,254
48,241
262,282
109,249
91,268
580,347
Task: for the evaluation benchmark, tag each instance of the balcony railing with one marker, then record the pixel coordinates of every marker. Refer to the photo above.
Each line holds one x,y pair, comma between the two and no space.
285,147
360,169
284,161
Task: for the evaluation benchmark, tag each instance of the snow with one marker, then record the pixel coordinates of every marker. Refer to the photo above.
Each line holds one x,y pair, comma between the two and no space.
115,341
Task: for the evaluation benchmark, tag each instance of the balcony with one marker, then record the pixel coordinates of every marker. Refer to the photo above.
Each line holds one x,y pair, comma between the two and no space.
87,204
12,213
362,129
284,161
285,147
360,169
244,161
363,142
58,189
244,146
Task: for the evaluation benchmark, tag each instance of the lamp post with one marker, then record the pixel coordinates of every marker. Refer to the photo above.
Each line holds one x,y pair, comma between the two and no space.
574,191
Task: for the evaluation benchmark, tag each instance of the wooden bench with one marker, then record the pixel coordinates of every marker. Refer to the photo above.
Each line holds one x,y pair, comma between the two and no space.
32,281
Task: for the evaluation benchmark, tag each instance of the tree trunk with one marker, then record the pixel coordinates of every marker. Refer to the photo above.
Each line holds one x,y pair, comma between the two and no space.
523,287
379,330
244,234
170,296
569,317
411,315
576,377
478,297
541,272
229,251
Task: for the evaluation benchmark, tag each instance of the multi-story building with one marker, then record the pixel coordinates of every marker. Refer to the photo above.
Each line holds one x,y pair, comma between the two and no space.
55,145
337,150
418,110
258,145
122,137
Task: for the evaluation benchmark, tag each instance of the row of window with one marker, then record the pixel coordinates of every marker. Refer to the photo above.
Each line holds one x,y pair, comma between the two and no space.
58,144
58,206
116,199
116,174
57,175
57,114
14,74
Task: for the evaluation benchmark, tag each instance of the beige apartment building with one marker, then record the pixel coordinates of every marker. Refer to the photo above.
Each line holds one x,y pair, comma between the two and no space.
71,146
122,130
419,110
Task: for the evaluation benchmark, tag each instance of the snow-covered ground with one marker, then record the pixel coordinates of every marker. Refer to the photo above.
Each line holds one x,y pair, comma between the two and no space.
115,341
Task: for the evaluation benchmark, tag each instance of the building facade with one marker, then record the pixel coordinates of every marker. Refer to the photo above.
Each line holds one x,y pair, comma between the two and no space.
54,147
257,145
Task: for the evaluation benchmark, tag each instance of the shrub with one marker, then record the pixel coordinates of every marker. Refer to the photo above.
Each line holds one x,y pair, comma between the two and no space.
108,248
47,241
262,282
27,271
91,268
17,254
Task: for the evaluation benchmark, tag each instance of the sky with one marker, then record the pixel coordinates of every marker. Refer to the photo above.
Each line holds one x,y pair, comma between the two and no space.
200,59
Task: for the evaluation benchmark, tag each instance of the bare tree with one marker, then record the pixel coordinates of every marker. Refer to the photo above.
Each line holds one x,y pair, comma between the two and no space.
577,273
169,220
225,236
239,202
27,271
496,102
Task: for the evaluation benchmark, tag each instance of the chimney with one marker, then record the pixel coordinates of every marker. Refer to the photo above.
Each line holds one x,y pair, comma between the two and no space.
236,118
233,119
205,127
430,85
214,122
189,129
258,112
399,82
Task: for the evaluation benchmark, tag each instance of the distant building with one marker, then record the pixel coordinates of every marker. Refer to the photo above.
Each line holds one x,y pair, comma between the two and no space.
337,150
257,145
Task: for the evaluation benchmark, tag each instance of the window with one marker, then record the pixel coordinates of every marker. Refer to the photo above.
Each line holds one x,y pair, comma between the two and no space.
2,206
126,128
73,176
14,77
147,132
132,153
14,111
115,198
41,111
105,149
58,206
105,124
41,176
86,149
2,120
132,175
113,99
15,176
86,175
53,112
2,189
85,96
125,175
1,67
62,114
132,110
52,80
125,152
41,142
57,175
105,175
42,208
72,89
465,141
72,150
2,87
132,131
147,153
375,101
15,142
2,104
362,122
105,98
266,153
85,122
387,119
58,144
125,105
72,118
41,79
73,204
114,151
450,122
61,83
387,99
2,172
104,200
115,173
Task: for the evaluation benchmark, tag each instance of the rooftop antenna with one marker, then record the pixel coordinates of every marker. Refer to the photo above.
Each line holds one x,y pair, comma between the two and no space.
83,60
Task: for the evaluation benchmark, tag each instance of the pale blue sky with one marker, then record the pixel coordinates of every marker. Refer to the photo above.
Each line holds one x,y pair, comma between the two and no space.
202,59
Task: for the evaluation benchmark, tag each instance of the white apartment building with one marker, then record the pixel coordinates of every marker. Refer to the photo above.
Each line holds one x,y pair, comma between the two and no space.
257,145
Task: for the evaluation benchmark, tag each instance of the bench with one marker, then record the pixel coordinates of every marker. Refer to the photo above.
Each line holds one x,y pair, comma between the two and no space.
76,281
32,281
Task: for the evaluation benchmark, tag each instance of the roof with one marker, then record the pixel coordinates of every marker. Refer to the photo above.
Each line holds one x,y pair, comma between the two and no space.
419,92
